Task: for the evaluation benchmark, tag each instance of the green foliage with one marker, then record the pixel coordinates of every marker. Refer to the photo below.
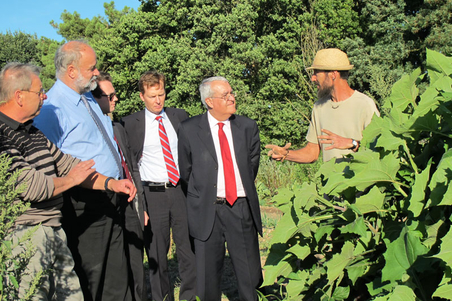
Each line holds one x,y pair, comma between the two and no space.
12,266
378,226
18,47
274,175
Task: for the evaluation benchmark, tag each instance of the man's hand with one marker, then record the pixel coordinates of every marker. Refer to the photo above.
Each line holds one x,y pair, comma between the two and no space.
123,186
336,141
278,153
80,172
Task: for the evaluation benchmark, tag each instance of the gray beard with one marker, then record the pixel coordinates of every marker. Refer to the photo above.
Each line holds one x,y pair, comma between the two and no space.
90,86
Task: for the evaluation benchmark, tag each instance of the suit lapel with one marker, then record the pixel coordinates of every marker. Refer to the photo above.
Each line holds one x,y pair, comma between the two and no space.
173,118
205,135
238,136
140,129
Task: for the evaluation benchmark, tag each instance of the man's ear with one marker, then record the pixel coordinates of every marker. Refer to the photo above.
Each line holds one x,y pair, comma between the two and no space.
18,97
209,102
141,96
72,71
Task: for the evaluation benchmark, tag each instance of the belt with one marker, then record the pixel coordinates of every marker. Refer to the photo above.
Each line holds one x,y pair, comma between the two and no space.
157,186
223,201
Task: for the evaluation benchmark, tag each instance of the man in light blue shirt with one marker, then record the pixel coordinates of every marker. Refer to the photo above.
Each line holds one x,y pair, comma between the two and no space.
72,119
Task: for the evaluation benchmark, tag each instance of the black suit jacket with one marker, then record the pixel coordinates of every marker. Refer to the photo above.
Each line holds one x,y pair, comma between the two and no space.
135,128
199,169
139,203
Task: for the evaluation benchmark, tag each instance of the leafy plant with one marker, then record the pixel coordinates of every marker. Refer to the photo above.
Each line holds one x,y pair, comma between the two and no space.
13,264
378,226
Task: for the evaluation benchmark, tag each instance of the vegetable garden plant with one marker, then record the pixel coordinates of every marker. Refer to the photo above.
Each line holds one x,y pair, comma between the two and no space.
377,226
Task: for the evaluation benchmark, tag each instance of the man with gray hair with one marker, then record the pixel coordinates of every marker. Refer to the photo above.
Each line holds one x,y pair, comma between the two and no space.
72,119
219,159
46,173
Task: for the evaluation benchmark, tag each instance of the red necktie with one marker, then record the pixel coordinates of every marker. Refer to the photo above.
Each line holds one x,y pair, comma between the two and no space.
228,167
123,163
173,174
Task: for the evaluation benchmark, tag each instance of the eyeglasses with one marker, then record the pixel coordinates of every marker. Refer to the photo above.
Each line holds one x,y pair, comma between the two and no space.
226,97
40,93
111,96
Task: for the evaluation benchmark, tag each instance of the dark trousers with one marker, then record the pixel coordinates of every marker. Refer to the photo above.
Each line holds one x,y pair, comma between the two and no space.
234,226
167,209
133,236
94,229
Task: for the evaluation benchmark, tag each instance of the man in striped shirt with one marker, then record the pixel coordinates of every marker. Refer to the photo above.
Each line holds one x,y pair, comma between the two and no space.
46,173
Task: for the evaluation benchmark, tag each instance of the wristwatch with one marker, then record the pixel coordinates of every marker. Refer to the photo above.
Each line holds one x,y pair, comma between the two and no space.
355,144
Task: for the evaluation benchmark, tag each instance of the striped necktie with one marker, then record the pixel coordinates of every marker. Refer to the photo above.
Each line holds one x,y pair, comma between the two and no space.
173,174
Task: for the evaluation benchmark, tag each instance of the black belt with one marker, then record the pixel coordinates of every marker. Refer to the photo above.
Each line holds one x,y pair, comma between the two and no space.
223,201
157,186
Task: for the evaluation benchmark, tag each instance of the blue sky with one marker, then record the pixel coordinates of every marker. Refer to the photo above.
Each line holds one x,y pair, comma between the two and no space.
34,16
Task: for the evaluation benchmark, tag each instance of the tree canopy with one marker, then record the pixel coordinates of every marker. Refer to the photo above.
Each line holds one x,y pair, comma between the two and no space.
261,46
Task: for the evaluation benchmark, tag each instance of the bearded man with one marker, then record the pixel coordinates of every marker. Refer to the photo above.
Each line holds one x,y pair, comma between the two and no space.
72,119
338,117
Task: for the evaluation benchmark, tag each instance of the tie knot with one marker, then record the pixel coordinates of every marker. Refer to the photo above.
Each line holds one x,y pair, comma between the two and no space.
158,118
221,125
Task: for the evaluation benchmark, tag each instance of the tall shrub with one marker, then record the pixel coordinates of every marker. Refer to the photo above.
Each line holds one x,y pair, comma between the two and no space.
377,227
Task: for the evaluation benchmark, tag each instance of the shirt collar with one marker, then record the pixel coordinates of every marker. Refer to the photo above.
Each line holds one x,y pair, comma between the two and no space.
152,116
70,94
15,125
213,121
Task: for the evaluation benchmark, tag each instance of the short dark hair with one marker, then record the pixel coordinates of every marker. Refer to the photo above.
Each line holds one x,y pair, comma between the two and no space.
149,79
344,74
103,76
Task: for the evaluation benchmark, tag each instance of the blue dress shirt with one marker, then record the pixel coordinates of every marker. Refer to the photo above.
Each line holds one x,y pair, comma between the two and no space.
66,122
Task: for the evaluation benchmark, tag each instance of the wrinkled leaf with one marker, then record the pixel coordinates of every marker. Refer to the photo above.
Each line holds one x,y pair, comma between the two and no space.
402,293
401,255
335,267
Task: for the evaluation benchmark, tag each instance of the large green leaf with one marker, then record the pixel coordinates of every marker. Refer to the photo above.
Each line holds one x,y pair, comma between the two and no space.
402,293
272,272
335,267
440,182
301,252
285,229
432,234
416,202
357,227
370,202
368,169
444,291
401,255
404,92
446,249
438,64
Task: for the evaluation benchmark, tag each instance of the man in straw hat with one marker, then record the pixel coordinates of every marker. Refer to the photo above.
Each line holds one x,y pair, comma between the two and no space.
338,117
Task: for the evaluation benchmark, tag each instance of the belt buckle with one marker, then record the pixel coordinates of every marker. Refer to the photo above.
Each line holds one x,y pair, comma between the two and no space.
220,201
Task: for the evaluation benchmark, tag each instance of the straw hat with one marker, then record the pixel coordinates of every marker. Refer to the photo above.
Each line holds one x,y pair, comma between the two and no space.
331,59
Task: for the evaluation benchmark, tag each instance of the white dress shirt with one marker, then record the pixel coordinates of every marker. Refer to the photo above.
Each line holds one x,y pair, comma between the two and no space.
221,191
152,164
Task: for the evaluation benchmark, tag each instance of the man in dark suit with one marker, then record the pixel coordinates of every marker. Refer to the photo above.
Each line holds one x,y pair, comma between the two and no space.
219,159
134,213
153,141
